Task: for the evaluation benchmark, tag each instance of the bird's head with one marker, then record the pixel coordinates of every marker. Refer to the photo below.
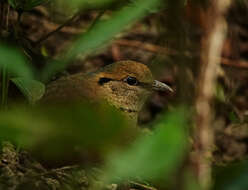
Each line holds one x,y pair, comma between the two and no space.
126,85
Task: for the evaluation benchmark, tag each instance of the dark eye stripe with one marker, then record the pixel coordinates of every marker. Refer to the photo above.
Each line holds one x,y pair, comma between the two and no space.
103,80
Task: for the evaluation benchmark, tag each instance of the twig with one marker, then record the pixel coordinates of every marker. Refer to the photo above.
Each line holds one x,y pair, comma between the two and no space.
97,19
159,49
212,43
66,29
146,46
54,171
116,54
42,39
235,63
141,186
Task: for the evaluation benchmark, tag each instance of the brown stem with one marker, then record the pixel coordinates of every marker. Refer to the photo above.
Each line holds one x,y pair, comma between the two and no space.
212,43
242,64
145,46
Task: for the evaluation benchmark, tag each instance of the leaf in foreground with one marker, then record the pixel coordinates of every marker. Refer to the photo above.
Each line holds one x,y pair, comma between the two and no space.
14,61
54,131
233,176
152,156
33,90
101,33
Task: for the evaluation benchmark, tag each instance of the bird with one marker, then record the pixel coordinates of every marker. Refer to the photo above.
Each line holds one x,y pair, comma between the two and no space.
124,85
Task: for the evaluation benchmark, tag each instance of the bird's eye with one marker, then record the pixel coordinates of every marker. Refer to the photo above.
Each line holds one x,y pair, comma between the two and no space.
131,81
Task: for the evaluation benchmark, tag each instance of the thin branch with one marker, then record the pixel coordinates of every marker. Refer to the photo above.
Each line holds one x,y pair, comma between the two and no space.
242,64
54,171
101,13
42,39
145,46
136,185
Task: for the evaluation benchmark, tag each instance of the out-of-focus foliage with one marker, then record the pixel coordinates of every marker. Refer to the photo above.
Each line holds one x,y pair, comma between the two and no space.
26,5
190,182
220,94
33,90
51,130
232,176
75,5
15,62
102,32
154,156
233,117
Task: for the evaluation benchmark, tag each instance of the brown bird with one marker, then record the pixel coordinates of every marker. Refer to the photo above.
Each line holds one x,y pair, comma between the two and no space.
125,85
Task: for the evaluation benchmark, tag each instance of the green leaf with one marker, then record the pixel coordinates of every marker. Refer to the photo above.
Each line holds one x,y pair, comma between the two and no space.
233,176
93,4
154,156
233,117
33,3
102,32
33,90
15,62
220,93
26,5
12,3
53,131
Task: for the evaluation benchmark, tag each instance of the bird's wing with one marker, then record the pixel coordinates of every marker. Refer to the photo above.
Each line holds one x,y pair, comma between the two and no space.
66,89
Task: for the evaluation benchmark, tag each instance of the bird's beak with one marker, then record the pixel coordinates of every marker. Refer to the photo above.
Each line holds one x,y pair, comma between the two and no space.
159,86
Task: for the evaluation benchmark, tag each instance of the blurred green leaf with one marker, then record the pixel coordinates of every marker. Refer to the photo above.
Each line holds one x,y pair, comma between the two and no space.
233,117
190,180
4,86
91,3
86,5
26,5
15,62
233,176
153,156
52,129
220,93
102,32
33,90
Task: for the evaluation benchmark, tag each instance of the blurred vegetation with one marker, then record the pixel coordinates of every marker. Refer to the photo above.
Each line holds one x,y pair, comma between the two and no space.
91,135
